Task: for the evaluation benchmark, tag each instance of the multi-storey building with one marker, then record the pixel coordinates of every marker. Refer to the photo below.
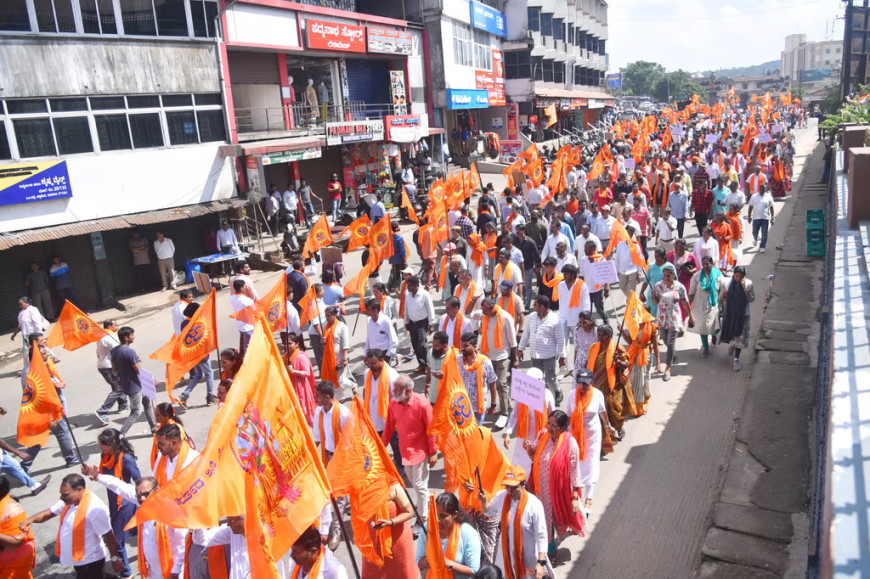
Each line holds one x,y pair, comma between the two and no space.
810,65
856,46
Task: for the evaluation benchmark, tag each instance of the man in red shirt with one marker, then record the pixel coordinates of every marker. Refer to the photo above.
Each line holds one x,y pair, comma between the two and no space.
641,214
334,191
702,204
410,414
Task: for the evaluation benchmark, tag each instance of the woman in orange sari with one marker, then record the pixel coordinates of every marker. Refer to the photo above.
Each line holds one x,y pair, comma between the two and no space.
722,230
401,562
735,219
17,549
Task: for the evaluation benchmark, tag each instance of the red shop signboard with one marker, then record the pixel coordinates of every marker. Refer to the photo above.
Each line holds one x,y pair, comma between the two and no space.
336,36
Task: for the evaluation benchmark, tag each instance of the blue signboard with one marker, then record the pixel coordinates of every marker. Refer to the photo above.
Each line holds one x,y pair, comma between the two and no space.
31,182
488,19
614,80
467,99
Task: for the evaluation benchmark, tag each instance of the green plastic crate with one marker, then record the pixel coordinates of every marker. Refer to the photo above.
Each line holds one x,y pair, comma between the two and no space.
815,249
816,219
815,236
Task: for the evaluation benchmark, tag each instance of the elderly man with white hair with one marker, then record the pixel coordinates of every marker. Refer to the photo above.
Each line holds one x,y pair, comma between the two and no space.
410,413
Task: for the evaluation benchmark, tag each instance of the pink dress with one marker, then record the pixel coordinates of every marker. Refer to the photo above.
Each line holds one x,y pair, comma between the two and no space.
544,492
304,385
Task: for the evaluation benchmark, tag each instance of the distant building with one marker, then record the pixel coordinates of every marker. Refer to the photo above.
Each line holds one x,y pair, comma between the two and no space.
811,65
856,46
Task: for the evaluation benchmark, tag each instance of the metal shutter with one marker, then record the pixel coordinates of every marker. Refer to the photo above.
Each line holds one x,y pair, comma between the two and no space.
78,254
121,260
15,261
254,68
368,81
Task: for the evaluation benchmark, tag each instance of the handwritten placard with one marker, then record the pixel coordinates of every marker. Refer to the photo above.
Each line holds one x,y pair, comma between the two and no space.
765,138
777,128
149,385
711,138
601,273
526,390
630,164
676,130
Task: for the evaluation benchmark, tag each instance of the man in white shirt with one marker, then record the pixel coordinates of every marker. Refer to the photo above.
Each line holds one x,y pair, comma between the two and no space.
273,205
97,529
239,301
243,272
761,206
507,269
290,199
666,230
169,445
104,366
184,298
469,293
569,305
227,242
544,334
419,319
324,415
584,236
602,225
145,487
305,553
515,217
534,197
453,317
165,250
735,197
231,534
500,354
380,333
625,266
376,362
556,236
564,258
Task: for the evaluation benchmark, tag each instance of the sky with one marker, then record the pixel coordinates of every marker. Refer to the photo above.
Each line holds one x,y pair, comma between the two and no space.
679,35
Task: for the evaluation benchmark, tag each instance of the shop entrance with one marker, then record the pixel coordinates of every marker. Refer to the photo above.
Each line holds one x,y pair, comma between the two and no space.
323,74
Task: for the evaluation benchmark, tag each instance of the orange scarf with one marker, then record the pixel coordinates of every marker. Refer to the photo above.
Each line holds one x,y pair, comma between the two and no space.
507,307
383,392
736,225
457,328
575,293
523,425
513,569
477,249
217,563
163,548
328,370
477,366
183,438
315,569
160,471
336,430
484,328
402,300
443,275
490,244
595,258
639,348
17,561
553,284
472,289
608,360
754,182
78,530
116,465
536,464
581,403
508,271
723,236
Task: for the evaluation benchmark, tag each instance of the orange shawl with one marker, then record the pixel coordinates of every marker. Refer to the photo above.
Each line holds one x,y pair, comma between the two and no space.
508,271
477,366
490,244
736,225
575,293
115,463
315,569
639,348
402,299
723,236
513,569
383,392
163,548
78,531
472,289
477,249
553,284
581,403
457,328
160,471
336,430
509,306
608,360
328,370
16,561
484,328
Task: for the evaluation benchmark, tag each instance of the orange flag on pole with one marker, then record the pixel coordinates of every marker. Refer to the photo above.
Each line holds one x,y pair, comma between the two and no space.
273,305
535,171
310,307
406,203
576,156
40,404
260,460
437,191
472,180
550,111
434,551
74,329
362,470
530,155
359,232
635,315
381,240
731,92
455,427
196,341
319,236
598,165
492,471
617,234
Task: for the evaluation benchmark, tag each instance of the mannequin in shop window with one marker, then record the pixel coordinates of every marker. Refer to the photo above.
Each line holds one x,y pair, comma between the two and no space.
311,101
291,98
324,99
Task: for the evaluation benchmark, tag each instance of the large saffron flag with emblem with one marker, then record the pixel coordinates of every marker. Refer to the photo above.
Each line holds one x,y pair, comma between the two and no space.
260,460
273,306
362,470
74,329
381,240
319,236
455,428
635,315
40,404
196,341
359,232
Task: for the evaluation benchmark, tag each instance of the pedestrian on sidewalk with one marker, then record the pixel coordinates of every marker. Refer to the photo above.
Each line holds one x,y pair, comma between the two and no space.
126,363
59,273
141,260
165,250
104,366
704,291
737,296
36,281
761,204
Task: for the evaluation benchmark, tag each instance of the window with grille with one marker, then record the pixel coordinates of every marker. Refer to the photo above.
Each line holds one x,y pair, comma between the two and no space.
534,18
546,24
518,64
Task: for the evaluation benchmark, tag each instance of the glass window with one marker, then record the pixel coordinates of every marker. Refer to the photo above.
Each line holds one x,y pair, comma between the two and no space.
203,15
546,24
143,102
146,130
558,29
482,50
177,100
34,138
73,135
67,105
518,64
462,44
98,16
839,50
559,72
107,103
581,39
54,15
857,43
208,99
138,17
5,153
548,70
113,132
858,18
534,18
171,18
22,107
13,15
211,126
182,128
570,35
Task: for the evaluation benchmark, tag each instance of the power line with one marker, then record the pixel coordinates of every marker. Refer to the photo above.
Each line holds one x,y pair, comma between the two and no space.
718,17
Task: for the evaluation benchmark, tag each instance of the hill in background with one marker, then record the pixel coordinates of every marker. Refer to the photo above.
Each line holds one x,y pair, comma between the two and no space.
755,70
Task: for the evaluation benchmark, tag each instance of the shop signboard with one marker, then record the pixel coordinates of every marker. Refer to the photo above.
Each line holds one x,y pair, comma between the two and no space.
483,79
336,36
397,89
458,99
544,103
389,41
489,19
290,156
354,132
565,104
32,182
512,126
509,151
255,177
497,96
579,103
497,123
614,80
402,128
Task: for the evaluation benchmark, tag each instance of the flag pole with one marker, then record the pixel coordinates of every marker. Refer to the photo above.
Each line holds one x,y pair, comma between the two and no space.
416,514
76,444
344,536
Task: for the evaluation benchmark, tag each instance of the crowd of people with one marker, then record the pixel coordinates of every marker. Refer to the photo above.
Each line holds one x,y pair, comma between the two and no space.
514,276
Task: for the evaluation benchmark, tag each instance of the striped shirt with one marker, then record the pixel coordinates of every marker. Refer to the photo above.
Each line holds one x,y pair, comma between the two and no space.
546,337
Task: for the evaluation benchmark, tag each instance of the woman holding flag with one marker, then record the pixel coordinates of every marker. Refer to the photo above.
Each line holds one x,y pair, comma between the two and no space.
460,543
118,459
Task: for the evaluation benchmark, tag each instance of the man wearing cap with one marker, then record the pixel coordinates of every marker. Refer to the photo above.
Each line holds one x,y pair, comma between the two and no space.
507,270
521,514
603,224
419,318
531,260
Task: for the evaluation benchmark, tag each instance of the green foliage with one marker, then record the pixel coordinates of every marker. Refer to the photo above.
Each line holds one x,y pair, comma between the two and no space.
640,77
799,93
678,86
853,112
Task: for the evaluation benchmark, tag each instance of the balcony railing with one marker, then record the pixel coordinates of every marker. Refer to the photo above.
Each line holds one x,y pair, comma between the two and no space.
303,118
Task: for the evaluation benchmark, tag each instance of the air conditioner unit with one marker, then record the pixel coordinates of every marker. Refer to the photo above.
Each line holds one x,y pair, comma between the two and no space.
529,34
600,82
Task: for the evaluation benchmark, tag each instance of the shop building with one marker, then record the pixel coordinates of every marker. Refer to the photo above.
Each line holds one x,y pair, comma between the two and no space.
111,117
310,89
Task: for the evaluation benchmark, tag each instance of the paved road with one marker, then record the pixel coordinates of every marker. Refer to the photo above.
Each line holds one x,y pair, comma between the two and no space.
652,504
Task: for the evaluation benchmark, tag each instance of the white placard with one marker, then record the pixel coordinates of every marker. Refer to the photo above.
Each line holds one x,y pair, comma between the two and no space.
711,139
149,385
765,138
676,130
777,129
601,273
629,163
526,390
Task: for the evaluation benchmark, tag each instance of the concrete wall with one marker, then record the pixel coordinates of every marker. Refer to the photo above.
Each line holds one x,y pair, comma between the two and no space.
119,183
94,66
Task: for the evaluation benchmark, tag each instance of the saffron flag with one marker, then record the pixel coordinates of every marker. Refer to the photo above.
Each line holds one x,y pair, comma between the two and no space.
357,285
40,404
455,190
535,171
563,153
455,427
550,111
310,307
434,551
319,236
731,92
436,191
406,203
635,315
492,471
196,341
598,165
359,231
617,234
74,329
472,180
667,139
362,470
381,240
438,223
273,305
576,156
530,155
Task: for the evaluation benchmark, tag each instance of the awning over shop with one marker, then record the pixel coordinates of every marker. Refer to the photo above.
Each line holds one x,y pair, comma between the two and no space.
572,94
273,146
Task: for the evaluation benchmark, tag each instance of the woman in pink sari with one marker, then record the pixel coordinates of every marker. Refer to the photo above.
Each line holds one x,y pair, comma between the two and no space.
17,549
301,375
555,479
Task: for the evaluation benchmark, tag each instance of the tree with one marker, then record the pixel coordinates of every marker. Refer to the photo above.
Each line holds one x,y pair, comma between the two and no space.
798,92
678,86
641,77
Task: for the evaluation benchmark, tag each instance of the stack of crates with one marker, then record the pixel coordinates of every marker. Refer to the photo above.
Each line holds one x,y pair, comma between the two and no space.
816,232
